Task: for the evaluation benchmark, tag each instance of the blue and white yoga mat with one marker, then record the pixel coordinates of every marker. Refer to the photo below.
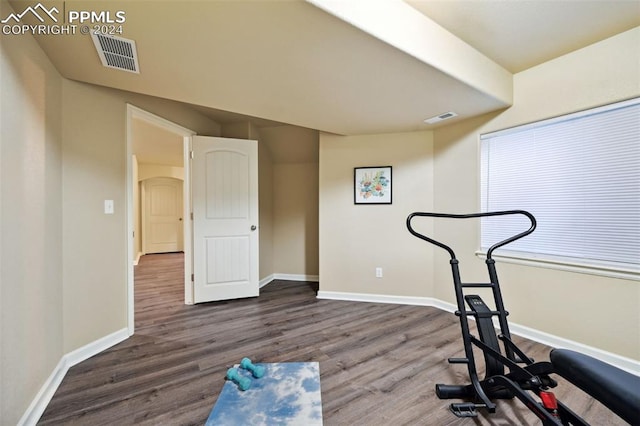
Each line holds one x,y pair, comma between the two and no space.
288,394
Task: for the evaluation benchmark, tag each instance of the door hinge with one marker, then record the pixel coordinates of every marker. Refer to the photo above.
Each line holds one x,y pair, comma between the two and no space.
192,278
191,154
191,215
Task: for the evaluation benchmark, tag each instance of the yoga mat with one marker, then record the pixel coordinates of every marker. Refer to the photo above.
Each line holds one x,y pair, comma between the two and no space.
288,394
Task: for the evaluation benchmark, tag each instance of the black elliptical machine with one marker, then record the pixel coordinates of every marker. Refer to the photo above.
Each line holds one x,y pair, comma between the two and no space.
617,389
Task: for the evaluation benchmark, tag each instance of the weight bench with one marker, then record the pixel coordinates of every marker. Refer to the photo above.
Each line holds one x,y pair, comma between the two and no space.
617,389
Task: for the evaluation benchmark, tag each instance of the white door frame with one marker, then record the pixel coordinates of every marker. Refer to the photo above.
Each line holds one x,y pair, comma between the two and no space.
134,112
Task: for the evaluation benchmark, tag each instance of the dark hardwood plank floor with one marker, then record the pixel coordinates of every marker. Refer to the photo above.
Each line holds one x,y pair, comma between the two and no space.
379,363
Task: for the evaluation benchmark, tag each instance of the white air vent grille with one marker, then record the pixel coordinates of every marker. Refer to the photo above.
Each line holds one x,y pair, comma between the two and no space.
116,52
441,117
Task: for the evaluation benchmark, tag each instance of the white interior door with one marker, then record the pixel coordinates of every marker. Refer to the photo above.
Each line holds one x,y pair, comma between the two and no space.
163,226
225,218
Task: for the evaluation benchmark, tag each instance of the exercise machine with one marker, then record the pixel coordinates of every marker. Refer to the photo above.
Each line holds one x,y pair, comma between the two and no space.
509,372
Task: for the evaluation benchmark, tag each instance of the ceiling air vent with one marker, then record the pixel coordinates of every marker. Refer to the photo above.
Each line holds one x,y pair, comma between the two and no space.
440,117
116,52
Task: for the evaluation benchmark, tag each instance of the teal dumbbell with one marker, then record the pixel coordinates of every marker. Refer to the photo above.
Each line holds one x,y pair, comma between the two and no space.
243,383
256,370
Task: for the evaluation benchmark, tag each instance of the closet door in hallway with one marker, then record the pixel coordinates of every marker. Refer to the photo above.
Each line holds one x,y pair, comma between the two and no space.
162,215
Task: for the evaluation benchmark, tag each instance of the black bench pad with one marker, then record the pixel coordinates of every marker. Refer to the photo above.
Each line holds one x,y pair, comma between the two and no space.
617,389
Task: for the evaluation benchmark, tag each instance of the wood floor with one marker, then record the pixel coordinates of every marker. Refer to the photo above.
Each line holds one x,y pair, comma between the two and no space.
378,362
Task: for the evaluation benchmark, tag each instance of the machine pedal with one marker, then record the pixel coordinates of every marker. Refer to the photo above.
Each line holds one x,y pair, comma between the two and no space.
464,409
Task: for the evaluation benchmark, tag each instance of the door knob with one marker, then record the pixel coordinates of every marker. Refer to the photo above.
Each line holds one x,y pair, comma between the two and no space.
253,227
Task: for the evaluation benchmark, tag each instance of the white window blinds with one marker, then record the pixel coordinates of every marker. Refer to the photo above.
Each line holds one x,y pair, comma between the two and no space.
579,175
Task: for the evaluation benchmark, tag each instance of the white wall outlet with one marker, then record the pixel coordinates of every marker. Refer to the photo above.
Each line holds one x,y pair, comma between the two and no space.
108,206
378,272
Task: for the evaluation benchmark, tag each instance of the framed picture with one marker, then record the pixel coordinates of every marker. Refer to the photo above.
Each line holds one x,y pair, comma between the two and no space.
372,185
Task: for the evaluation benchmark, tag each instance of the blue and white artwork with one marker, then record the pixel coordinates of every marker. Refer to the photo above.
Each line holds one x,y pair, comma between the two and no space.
288,394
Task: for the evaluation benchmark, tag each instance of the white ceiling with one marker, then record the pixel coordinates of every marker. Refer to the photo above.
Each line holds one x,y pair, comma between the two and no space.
294,62
519,34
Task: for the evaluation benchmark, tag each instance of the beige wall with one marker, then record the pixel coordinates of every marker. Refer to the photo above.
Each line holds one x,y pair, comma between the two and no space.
294,154
31,306
295,205
265,194
94,244
355,239
457,190
291,144
594,310
94,169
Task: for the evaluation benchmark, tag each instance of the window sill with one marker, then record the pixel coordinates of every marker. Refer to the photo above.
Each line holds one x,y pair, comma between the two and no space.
567,265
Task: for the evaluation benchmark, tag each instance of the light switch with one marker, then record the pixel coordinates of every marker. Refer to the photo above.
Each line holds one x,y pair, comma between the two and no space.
108,206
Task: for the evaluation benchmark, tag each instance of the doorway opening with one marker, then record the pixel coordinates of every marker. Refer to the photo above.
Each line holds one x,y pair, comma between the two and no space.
157,152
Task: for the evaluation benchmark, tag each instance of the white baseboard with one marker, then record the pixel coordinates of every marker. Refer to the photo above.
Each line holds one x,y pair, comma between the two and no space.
137,260
288,277
95,347
43,397
624,363
296,277
40,402
266,280
376,298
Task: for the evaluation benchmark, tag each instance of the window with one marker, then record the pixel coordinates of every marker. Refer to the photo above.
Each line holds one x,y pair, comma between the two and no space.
579,175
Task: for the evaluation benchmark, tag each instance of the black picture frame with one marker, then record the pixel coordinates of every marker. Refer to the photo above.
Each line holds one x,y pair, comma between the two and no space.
372,185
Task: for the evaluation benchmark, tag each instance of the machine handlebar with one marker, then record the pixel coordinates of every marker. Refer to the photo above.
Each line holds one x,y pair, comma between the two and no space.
531,218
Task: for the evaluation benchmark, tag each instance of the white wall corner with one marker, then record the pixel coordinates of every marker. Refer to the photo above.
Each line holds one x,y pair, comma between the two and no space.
266,280
48,389
97,346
